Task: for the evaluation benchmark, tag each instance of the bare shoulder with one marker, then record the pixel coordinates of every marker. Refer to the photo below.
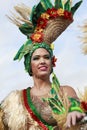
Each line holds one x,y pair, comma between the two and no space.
69,90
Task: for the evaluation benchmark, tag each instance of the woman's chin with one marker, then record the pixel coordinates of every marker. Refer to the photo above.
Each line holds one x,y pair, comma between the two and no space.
43,74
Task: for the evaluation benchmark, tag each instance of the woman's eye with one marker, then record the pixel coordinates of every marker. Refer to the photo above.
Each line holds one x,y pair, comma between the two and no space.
47,57
35,58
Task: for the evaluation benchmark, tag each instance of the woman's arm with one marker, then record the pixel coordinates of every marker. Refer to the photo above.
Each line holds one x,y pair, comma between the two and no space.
75,115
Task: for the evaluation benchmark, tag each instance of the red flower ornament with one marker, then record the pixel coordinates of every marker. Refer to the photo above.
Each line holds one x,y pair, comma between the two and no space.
67,15
60,12
52,12
42,23
53,61
37,37
45,16
38,29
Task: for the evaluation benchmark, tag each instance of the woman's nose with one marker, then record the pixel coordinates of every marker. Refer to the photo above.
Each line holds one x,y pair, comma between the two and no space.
42,60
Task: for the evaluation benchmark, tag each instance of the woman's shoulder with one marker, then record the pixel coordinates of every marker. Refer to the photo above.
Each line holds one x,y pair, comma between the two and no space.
70,91
13,93
12,98
66,88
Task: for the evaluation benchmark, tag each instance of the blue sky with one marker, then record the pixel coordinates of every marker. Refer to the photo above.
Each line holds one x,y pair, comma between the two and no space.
71,66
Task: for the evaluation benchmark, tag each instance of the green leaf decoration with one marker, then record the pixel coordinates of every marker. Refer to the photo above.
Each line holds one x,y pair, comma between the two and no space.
74,102
53,105
32,12
50,127
36,12
33,16
55,101
75,105
46,4
56,105
25,48
75,7
67,6
40,8
18,53
55,83
58,4
26,29
53,90
26,63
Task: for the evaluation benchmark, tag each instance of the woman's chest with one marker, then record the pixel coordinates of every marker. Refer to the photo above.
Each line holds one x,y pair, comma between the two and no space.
43,109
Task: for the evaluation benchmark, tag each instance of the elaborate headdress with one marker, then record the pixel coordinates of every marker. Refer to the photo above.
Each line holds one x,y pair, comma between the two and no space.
45,24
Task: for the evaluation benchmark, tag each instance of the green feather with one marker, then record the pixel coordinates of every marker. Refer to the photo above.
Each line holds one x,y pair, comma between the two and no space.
40,8
32,12
33,16
76,6
36,12
67,6
58,4
26,63
26,29
25,51
55,83
25,48
46,4
18,53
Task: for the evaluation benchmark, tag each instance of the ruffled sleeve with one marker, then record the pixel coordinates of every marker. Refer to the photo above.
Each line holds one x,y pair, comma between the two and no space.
2,127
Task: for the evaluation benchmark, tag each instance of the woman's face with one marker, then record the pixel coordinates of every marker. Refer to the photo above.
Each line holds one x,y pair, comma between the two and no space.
41,63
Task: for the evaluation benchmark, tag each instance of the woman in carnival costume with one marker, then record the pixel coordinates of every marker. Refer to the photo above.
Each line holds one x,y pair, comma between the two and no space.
47,105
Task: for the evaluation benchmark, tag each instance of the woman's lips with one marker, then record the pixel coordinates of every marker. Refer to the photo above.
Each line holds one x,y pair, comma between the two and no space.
43,68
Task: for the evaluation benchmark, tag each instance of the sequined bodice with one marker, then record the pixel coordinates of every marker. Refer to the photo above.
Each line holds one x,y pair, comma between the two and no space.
43,109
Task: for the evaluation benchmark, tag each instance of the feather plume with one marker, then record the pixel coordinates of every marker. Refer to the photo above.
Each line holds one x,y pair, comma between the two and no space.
23,10
84,37
21,16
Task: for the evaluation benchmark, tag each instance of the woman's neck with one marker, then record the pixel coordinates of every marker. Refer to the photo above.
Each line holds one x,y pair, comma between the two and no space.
40,83
41,86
